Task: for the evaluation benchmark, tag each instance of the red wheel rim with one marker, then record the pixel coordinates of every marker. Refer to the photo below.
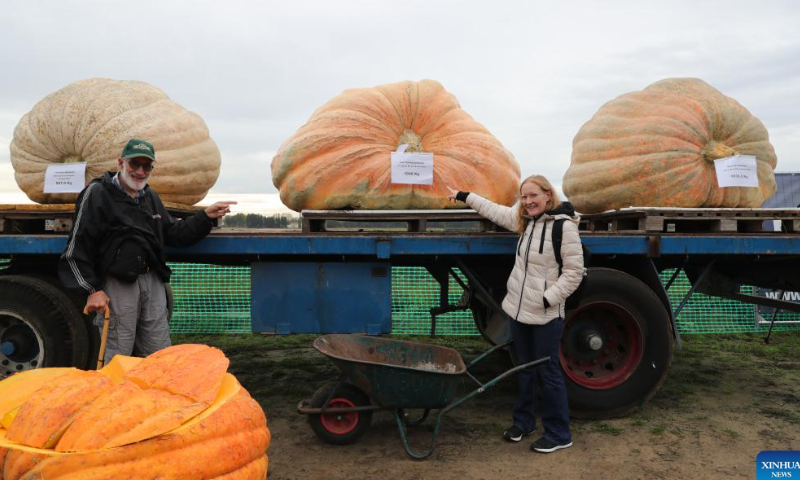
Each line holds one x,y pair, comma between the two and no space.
601,346
340,423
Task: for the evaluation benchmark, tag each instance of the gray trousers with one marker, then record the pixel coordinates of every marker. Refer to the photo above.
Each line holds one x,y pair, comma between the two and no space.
138,323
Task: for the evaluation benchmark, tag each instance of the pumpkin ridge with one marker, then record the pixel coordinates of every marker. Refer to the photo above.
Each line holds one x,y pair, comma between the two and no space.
328,111
95,98
634,147
25,123
655,120
325,117
432,124
348,157
416,108
745,129
646,104
49,134
331,146
72,141
399,116
101,129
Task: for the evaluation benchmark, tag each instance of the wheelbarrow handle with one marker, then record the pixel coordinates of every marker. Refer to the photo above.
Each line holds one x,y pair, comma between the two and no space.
492,382
488,352
426,452
102,353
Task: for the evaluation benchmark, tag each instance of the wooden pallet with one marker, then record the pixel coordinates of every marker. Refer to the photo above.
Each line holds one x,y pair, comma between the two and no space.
417,221
57,218
692,220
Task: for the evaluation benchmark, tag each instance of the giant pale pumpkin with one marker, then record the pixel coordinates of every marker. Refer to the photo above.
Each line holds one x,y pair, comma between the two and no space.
340,159
176,414
657,148
90,121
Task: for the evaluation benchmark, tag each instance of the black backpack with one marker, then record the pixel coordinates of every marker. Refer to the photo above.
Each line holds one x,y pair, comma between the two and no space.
558,236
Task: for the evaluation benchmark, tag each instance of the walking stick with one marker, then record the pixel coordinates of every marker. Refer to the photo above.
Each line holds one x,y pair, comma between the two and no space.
103,337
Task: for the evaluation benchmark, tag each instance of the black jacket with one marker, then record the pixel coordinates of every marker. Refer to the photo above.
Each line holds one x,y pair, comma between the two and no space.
107,223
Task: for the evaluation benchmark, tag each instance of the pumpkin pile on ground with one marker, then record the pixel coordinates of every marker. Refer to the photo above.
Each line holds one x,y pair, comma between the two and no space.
656,148
176,414
91,120
341,158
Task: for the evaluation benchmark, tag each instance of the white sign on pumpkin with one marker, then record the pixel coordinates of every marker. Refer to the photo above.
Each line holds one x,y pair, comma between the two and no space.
737,171
65,178
414,168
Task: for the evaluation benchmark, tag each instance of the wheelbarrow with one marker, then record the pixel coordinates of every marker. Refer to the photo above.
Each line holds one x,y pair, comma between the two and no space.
395,375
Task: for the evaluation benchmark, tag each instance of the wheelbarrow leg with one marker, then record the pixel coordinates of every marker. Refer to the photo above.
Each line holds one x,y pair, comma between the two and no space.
418,421
401,426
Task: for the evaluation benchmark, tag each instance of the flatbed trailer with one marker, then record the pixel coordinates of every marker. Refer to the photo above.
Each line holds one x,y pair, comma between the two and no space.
334,275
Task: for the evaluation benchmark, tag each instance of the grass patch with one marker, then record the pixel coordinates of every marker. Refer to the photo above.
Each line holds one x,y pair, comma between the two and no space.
639,422
607,429
730,433
780,414
658,429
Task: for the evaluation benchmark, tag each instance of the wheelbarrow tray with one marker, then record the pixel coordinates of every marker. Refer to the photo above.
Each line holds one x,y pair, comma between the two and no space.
396,373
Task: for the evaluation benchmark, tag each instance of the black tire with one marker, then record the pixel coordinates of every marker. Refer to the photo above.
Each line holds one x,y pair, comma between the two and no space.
340,429
617,346
39,326
86,354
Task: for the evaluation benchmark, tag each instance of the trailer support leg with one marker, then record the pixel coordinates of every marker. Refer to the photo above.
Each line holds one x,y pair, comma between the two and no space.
442,275
695,285
772,322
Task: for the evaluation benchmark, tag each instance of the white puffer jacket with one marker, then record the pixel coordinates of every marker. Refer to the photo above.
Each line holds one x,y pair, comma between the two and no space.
535,274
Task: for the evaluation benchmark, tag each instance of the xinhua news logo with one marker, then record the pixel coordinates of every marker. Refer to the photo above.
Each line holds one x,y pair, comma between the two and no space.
778,464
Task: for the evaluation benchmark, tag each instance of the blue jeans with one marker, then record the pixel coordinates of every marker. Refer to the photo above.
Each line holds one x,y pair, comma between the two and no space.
532,342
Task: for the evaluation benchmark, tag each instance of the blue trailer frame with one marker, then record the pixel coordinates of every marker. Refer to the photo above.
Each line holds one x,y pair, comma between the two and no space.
618,341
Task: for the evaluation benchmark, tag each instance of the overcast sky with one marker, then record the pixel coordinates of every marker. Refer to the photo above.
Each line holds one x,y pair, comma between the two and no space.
531,72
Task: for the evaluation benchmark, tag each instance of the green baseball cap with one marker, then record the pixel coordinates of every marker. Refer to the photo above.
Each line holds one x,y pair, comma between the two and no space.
139,148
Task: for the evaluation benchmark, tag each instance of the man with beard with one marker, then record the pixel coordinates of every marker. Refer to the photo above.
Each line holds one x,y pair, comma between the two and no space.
115,252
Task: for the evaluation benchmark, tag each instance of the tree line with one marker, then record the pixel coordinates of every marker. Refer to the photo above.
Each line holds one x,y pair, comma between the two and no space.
256,220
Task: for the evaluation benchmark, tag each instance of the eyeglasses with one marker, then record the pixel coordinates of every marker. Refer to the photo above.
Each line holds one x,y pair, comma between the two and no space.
147,167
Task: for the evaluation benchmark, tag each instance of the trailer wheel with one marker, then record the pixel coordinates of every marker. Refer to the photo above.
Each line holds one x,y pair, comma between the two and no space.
616,347
340,428
39,327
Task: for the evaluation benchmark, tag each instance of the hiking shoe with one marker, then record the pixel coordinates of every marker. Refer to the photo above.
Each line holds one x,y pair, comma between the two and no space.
544,445
515,434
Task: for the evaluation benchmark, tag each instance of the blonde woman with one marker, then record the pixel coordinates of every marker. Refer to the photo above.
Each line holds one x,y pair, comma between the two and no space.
534,301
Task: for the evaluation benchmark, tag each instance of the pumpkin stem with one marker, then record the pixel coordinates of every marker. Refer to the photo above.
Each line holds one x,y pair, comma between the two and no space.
716,150
413,140
71,159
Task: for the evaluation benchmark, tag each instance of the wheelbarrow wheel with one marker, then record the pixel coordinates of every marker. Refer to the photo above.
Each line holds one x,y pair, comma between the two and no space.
340,428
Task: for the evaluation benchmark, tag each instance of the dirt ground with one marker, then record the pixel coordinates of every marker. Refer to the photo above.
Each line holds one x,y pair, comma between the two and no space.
726,399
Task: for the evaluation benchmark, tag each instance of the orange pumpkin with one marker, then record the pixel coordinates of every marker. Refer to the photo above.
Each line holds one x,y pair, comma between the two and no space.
657,148
175,414
341,157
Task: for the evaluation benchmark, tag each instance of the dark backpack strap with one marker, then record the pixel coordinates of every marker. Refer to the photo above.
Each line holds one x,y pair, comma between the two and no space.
558,235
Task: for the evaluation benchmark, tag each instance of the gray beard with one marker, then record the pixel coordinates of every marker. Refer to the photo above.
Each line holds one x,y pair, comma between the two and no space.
130,182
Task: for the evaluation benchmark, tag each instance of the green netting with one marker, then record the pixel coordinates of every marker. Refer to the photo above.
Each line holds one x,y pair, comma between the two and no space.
210,299
705,314
414,293
213,299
